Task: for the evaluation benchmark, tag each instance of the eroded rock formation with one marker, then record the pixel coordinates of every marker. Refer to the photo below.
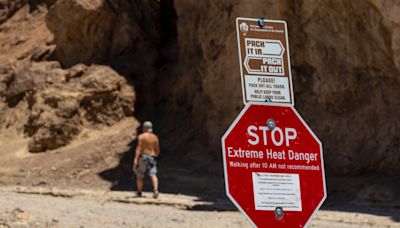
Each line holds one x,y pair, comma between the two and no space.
344,66
56,104
49,104
96,31
182,58
9,7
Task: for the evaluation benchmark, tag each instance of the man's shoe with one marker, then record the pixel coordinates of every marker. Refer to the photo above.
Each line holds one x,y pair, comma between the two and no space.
138,195
155,194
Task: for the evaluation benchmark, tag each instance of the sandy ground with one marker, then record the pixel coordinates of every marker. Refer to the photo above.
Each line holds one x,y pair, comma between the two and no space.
90,203
36,207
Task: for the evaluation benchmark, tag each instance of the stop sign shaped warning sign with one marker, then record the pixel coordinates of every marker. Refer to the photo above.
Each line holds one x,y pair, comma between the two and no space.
273,163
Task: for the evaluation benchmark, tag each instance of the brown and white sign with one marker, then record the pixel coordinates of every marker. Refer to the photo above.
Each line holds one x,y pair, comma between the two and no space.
264,61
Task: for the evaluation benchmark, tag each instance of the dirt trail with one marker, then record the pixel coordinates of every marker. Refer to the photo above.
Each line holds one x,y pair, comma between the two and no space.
41,207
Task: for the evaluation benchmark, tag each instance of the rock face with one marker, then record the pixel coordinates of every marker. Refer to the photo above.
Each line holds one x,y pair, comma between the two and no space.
99,30
9,7
59,103
344,66
182,58
47,104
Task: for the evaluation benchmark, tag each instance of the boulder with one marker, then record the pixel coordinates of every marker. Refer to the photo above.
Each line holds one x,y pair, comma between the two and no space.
58,113
40,102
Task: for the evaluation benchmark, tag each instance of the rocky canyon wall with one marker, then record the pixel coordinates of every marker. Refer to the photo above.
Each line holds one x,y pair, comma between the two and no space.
181,58
345,70
46,103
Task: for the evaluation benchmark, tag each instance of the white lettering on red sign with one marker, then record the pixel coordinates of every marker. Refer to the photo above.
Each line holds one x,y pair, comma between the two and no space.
277,136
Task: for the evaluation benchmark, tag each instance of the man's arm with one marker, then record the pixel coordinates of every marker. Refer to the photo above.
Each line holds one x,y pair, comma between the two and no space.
137,152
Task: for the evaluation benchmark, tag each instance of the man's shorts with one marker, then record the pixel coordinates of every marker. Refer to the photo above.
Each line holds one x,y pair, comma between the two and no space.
146,163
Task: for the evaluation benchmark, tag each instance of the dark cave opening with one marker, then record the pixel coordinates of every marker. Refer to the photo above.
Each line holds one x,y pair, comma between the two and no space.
182,170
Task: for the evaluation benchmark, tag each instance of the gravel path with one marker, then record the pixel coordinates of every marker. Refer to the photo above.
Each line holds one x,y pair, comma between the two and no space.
27,210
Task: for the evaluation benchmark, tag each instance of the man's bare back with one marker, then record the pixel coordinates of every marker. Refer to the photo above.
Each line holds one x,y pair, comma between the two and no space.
148,144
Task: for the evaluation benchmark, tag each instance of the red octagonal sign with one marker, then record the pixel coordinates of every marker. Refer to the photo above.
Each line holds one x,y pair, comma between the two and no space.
274,169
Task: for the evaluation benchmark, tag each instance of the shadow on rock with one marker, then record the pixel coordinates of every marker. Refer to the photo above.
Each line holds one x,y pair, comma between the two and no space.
121,176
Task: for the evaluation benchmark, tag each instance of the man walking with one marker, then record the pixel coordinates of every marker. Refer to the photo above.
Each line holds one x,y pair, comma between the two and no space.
148,148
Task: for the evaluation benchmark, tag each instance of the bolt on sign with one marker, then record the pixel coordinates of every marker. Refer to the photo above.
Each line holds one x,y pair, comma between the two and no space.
273,166
264,61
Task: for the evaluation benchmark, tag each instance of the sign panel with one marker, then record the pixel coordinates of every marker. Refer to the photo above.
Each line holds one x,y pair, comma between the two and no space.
264,61
273,164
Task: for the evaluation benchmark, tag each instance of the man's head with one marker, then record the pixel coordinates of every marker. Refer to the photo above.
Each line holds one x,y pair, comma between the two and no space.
147,126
